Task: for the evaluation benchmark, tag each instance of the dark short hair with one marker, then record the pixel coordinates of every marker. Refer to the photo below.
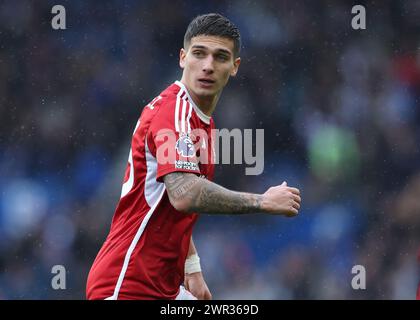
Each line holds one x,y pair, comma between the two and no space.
213,24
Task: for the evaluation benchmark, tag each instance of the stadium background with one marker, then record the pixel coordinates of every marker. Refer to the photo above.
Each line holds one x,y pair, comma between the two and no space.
340,110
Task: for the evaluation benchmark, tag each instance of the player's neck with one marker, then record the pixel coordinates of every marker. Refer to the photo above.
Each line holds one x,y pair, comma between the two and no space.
206,104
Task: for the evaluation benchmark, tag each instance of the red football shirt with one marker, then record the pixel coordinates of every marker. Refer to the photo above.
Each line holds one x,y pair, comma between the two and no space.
144,254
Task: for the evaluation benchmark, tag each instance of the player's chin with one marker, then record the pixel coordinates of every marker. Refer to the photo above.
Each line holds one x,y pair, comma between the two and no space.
205,92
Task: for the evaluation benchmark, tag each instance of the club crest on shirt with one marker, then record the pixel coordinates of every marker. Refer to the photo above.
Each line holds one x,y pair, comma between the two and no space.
185,147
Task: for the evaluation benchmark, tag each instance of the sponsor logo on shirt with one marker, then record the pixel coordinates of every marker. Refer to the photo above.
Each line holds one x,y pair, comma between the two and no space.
186,165
185,147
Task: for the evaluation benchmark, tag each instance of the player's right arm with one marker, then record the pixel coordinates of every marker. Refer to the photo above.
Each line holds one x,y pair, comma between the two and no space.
190,193
180,171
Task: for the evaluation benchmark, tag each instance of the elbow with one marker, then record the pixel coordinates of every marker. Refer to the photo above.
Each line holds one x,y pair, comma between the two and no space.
182,204
182,190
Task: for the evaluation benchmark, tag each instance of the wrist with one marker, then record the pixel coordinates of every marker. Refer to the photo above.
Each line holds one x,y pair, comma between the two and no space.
192,264
262,202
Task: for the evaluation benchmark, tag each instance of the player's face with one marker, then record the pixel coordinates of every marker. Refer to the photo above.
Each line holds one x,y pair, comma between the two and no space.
208,63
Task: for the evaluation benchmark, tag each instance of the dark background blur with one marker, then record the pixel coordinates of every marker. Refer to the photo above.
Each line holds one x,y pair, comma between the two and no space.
340,110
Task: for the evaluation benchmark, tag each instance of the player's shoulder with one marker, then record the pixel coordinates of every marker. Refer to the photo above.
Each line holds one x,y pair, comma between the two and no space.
170,101
166,100
160,111
169,96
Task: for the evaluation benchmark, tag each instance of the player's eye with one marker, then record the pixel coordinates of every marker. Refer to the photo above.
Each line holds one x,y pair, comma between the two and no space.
198,54
222,57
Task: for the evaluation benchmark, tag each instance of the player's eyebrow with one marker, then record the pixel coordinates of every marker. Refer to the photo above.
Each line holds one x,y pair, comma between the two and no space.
221,50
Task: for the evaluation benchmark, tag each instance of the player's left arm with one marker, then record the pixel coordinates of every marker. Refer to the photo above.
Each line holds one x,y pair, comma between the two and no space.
194,281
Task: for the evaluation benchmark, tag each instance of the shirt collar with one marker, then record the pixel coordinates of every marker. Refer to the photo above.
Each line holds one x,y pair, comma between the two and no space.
205,118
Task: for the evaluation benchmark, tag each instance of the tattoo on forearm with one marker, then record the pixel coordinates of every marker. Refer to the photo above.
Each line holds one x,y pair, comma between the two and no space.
209,197
180,185
216,199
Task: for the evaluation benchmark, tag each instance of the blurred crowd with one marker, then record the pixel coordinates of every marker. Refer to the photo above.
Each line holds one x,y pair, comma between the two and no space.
340,110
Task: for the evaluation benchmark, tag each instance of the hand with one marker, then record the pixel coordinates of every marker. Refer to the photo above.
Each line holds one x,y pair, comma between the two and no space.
282,199
195,284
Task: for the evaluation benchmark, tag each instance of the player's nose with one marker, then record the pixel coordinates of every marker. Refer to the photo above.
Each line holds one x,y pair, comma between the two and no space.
208,64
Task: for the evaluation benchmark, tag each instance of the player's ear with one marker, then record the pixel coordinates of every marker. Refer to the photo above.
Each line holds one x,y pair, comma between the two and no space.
182,55
236,64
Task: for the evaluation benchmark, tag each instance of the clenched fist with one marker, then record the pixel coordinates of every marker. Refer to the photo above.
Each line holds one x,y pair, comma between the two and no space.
282,199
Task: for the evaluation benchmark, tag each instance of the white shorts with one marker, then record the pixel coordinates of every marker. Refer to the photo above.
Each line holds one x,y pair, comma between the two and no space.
184,294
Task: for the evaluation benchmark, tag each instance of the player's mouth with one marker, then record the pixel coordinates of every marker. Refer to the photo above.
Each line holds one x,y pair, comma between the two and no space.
206,83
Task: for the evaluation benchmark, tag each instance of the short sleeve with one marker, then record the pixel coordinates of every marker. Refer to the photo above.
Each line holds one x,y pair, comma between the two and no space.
170,140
